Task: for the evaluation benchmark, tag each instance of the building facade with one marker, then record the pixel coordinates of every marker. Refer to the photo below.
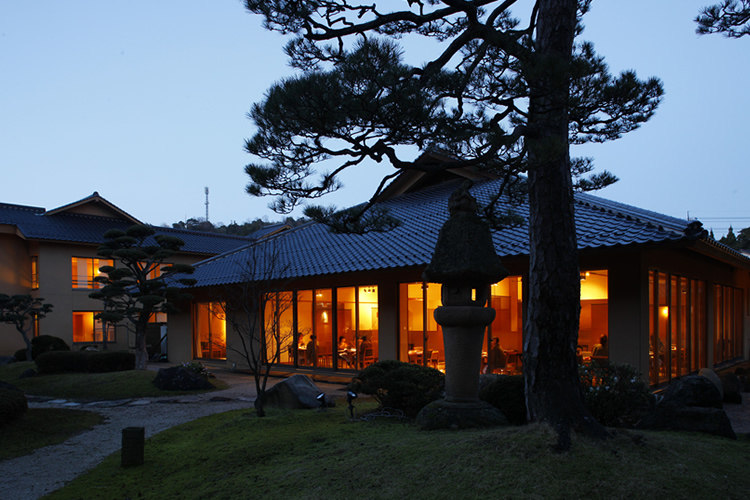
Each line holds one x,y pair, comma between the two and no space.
656,291
53,254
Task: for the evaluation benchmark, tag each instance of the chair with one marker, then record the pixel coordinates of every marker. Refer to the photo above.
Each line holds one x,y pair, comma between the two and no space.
434,358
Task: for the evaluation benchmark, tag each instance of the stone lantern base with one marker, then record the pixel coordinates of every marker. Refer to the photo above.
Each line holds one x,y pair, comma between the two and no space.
463,331
442,414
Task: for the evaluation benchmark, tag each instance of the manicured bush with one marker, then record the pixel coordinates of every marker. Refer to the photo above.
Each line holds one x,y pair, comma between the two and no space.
110,361
615,394
85,361
40,345
399,385
506,393
13,403
62,361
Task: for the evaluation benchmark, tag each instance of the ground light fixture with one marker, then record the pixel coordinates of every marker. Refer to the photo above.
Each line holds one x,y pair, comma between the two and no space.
350,397
322,400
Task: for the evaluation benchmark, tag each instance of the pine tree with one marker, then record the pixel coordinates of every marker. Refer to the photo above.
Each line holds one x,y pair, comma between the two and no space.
500,95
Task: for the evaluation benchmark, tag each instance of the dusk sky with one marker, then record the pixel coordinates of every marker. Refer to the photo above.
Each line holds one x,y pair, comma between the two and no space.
146,101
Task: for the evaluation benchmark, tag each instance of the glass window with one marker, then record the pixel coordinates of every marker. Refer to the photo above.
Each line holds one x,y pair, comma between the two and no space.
278,326
727,323
503,349
323,327
209,331
356,326
85,269
34,272
86,328
421,339
305,339
678,326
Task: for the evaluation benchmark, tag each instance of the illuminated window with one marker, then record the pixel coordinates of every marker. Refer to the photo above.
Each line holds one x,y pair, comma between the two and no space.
86,328
157,271
306,327
278,326
85,269
727,323
421,339
677,326
506,297
34,272
158,317
357,326
593,329
209,331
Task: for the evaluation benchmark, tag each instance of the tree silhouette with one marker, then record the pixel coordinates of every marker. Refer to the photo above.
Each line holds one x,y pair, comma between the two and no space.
498,94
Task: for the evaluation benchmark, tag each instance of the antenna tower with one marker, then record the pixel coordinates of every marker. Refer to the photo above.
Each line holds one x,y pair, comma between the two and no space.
206,191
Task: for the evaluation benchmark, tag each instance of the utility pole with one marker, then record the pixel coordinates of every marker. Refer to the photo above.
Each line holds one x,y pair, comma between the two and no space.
206,191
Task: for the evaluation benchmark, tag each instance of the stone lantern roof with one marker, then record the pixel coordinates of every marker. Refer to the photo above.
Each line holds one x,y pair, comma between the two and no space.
464,253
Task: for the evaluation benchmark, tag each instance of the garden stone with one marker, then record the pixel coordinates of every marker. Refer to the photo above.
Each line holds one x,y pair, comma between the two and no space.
179,378
689,418
28,373
693,390
294,393
713,377
732,388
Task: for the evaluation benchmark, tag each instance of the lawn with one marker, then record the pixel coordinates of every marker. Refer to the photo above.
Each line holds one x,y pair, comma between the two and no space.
313,454
43,427
40,427
90,386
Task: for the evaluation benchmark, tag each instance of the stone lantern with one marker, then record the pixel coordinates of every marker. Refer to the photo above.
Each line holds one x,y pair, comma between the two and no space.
466,264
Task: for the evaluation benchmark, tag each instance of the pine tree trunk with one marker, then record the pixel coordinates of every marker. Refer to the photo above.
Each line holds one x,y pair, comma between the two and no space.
553,393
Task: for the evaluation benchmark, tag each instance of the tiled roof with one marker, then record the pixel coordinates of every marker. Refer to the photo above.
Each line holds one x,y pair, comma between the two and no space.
312,250
35,223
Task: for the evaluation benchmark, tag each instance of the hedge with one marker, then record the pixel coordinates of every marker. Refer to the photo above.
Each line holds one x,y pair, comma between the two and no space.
85,361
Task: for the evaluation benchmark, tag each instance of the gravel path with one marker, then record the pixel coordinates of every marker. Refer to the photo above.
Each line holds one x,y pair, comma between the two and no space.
50,468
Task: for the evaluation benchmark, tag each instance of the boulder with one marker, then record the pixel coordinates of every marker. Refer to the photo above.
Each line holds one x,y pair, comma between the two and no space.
732,388
179,378
689,418
6,360
29,372
296,392
693,390
713,377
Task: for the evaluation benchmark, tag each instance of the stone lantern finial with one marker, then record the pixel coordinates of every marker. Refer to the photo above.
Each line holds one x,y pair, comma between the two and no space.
464,257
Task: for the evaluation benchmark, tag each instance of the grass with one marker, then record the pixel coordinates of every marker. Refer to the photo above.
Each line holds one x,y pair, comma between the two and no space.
40,427
90,386
311,454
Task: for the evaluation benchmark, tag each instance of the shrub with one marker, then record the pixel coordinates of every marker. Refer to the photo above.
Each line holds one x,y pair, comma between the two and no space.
62,361
40,345
198,368
506,393
615,394
47,343
13,403
399,385
85,361
114,361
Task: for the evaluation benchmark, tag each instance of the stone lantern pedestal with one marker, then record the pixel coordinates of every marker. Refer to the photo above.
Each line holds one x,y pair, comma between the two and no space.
466,264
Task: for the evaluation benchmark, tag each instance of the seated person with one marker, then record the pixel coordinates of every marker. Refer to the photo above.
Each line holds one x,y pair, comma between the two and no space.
600,354
345,351
496,359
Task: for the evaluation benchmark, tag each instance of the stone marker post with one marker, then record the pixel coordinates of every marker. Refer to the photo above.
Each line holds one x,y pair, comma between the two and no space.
133,443
466,264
